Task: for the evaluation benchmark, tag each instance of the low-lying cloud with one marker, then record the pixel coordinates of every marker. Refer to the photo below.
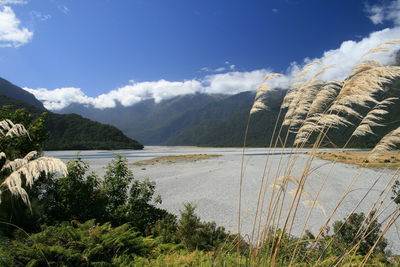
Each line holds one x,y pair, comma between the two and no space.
224,83
343,60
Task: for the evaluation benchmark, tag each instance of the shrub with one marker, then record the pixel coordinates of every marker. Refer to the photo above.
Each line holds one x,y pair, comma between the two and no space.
75,244
358,230
195,234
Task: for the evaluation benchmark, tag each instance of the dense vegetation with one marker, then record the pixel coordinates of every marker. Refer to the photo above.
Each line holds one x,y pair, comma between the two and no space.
68,132
80,220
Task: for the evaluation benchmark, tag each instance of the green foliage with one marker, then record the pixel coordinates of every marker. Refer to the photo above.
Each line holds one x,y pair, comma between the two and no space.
18,147
197,235
71,131
358,230
165,229
116,182
82,195
135,204
75,244
77,196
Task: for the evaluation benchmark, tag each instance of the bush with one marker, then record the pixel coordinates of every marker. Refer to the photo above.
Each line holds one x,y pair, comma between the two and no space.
195,234
75,244
358,230
77,196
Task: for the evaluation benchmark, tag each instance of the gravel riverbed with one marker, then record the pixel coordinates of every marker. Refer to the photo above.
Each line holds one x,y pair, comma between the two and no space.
213,184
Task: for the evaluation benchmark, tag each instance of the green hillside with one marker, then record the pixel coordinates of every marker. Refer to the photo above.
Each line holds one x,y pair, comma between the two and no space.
67,132
15,92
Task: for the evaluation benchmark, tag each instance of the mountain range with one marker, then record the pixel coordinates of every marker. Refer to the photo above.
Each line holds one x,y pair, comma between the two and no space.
195,119
70,131
220,120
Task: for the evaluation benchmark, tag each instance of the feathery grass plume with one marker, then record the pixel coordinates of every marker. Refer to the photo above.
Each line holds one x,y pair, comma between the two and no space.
301,106
30,171
28,168
388,142
372,118
368,81
258,104
281,183
313,203
298,109
325,96
8,128
318,122
297,82
382,47
361,86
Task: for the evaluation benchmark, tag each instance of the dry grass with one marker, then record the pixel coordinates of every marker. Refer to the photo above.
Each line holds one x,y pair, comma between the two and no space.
312,107
174,159
362,158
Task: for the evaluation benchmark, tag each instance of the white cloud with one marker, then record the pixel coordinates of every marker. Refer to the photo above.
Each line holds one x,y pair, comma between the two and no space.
389,12
275,10
59,98
220,69
36,15
236,82
351,53
228,67
224,83
13,2
11,34
64,9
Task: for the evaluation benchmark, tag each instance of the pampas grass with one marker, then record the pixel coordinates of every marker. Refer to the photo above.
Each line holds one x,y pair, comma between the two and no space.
30,171
261,94
9,129
388,142
373,117
23,172
314,107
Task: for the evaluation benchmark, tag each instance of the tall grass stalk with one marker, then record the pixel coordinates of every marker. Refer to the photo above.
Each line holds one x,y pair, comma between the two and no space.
313,108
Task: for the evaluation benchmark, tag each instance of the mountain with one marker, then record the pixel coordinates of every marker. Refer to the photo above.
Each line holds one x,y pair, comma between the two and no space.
207,120
219,129
151,123
69,131
15,92
196,119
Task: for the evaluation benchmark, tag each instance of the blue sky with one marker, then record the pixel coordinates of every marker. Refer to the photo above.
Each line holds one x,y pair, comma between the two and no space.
95,46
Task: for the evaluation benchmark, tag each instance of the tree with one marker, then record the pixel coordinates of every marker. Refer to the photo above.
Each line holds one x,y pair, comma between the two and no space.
116,182
136,204
359,230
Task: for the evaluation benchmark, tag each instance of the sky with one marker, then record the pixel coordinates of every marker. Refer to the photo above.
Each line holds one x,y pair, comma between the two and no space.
101,52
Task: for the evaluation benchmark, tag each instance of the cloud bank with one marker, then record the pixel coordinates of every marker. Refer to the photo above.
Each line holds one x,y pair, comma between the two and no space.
223,83
11,33
343,60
